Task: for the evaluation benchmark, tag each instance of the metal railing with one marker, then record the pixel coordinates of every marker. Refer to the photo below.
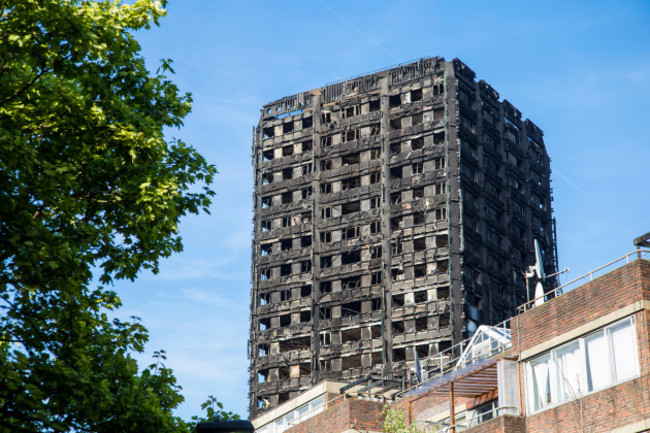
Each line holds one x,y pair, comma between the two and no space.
448,359
445,427
629,257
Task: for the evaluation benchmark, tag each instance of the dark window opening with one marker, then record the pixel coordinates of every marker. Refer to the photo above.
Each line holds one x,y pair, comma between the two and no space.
395,100
375,278
285,295
375,252
305,291
442,241
351,257
267,202
286,221
306,169
285,320
267,155
287,197
375,153
326,212
326,117
420,297
287,173
420,270
443,266
396,248
265,273
285,270
442,293
350,159
395,148
399,355
374,105
269,132
326,237
266,249
326,164
326,262
398,300
325,338
395,223
305,266
267,178
351,309
421,324
287,150
395,197
300,343
263,349
417,143
307,146
325,313
419,244
397,274
307,122
416,95
265,298
351,335
396,173
285,244
326,287
305,316
287,127
375,304
305,241
375,177
265,324
416,119
350,283
375,227
348,208
325,188
439,138
418,193
306,193
350,233
418,218
283,397
350,183
417,168
326,141
422,350
395,124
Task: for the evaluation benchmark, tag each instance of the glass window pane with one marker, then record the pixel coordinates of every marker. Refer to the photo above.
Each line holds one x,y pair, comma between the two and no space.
599,370
539,389
624,350
568,361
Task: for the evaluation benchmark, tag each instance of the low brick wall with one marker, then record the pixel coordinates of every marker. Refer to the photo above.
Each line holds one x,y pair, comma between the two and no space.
365,415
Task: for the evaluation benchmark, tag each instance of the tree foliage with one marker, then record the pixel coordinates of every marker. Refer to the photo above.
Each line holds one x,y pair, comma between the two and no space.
394,421
89,191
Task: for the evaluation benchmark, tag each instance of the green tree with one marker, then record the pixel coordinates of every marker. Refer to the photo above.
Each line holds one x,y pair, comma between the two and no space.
90,192
394,421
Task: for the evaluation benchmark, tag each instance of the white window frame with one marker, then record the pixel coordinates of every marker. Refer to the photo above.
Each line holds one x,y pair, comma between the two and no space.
559,389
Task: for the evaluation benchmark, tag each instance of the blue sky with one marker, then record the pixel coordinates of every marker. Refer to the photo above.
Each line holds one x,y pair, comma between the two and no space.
580,70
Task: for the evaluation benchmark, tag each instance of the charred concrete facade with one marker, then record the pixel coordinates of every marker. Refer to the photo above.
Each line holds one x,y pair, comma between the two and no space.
394,212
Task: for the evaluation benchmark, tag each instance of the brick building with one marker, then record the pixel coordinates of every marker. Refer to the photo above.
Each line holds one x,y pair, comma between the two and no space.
394,214
580,362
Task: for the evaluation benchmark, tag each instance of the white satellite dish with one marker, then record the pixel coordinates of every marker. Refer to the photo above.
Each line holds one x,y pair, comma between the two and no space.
538,269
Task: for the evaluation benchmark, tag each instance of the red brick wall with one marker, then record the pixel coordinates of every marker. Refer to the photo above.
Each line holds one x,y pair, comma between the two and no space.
603,411
502,424
339,417
605,294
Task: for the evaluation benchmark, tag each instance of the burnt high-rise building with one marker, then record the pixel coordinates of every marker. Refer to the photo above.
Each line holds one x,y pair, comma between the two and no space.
394,213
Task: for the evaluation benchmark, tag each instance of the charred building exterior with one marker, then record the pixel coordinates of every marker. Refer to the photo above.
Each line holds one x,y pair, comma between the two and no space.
394,212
